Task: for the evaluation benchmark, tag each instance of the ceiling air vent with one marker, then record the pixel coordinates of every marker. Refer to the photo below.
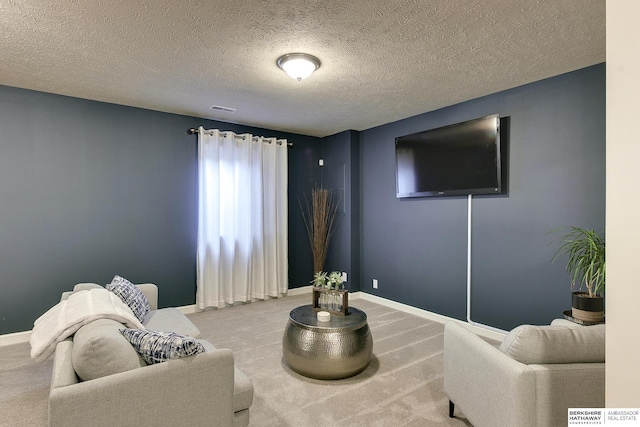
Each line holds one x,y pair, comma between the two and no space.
223,109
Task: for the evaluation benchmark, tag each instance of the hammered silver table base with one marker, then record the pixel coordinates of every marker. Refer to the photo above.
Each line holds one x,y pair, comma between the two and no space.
336,349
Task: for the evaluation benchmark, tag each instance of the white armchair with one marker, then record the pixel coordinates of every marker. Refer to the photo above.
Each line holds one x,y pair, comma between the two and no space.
530,380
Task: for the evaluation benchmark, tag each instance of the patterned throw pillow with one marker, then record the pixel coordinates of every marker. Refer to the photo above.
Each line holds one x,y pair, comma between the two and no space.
156,346
130,295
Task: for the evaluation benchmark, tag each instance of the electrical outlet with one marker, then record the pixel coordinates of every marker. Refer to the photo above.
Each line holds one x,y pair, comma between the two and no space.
344,276
375,283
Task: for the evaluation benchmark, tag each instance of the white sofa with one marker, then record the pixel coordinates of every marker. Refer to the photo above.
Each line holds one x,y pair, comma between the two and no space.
530,379
120,389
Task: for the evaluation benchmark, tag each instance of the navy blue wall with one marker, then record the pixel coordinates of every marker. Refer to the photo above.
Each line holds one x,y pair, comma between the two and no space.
417,248
304,175
340,173
89,190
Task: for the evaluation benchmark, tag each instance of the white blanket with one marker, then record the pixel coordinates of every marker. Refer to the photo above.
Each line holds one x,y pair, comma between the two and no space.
66,317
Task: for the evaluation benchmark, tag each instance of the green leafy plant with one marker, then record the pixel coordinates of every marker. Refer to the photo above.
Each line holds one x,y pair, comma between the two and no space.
331,280
586,264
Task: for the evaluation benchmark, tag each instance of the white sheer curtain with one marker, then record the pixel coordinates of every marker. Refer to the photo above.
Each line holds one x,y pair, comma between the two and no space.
242,218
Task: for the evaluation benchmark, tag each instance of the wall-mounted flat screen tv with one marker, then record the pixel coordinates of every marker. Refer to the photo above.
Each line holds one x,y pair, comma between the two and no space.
454,160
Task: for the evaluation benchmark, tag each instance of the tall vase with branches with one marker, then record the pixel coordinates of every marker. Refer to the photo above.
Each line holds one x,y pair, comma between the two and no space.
319,215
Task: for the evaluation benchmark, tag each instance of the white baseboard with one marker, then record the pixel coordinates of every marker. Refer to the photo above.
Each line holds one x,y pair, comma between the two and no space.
20,337
300,291
14,338
189,309
353,296
427,314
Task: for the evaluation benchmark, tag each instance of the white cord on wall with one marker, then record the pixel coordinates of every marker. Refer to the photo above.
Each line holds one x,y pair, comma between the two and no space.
471,322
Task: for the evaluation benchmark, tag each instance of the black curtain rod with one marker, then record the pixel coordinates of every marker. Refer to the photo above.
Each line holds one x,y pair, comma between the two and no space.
192,131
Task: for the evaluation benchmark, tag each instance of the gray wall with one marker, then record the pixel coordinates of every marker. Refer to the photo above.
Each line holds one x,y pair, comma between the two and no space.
416,248
89,190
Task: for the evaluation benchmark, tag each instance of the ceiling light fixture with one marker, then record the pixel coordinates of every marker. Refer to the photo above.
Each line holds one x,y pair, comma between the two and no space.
298,65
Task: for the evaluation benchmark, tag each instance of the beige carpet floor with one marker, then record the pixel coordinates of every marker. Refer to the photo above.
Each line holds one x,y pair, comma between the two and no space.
403,385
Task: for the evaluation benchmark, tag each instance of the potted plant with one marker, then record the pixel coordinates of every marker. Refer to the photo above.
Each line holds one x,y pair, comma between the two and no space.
586,265
329,293
331,280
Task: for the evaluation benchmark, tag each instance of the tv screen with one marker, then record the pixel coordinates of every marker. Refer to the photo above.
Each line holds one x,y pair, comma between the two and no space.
454,160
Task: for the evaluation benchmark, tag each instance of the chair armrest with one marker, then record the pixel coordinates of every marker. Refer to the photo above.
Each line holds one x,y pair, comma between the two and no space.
567,385
80,287
148,289
151,292
489,387
63,373
565,322
195,390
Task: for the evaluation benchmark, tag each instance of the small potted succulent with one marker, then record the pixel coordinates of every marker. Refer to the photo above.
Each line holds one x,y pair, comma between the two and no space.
331,280
586,265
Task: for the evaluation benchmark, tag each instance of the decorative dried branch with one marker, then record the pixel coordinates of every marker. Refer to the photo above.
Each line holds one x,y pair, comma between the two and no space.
319,215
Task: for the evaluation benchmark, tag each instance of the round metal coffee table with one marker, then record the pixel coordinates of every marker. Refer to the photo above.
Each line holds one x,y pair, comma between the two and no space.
336,349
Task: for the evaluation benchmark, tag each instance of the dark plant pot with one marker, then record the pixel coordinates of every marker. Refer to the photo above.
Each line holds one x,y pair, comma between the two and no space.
587,309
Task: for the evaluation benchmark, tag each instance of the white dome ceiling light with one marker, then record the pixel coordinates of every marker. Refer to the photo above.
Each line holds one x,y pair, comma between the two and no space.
298,65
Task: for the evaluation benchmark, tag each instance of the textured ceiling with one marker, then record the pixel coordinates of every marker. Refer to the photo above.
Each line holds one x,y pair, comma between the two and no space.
382,60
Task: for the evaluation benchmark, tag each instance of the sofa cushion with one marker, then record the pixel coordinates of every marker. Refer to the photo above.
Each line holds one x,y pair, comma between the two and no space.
130,295
170,319
157,346
99,349
531,344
